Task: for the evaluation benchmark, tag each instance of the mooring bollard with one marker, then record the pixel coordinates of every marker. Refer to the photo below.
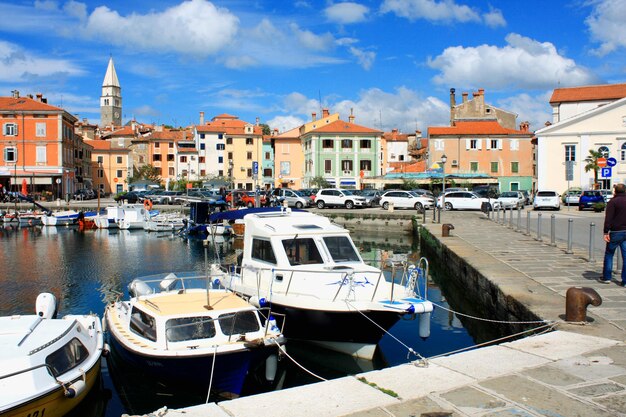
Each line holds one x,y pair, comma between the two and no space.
539,227
570,224
553,230
576,301
445,229
592,229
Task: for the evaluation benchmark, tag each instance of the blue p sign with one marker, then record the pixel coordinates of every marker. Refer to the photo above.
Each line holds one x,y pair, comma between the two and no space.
606,173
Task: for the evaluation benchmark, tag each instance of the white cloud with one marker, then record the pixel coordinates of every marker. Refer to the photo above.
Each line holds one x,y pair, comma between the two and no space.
145,110
403,108
19,65
494,18
194,27
534,109
285,123
365,58
311,41
46,5
346,13
76,9
446,11
606,24
523,63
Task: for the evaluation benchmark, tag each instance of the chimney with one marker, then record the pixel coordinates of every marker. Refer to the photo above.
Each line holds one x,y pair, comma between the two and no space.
39,97
16,93
524,126
351,117
257,121
418,133
325,112
481,91
452,104
313,116
465,97
201,117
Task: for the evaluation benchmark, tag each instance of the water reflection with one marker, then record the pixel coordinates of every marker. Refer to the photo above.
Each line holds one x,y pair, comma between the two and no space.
84,270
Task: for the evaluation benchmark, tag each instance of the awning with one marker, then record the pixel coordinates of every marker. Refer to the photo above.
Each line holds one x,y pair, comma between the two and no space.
344,183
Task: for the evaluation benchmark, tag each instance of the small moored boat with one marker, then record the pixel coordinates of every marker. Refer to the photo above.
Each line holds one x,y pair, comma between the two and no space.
177,328
47,365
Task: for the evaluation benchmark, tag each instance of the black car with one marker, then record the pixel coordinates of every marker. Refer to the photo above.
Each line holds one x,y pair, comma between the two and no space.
130,197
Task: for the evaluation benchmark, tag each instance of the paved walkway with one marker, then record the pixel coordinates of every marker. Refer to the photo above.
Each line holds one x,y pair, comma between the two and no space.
577,370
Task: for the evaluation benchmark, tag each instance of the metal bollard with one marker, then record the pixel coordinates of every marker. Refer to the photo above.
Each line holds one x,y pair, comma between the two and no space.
576,301
592,229
570,224
439,215
445,229
553,230
528,223
424,216
435,213
519,219
511,217
539,227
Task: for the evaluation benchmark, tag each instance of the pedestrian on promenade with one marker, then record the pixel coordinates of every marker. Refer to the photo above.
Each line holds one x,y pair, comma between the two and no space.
615,233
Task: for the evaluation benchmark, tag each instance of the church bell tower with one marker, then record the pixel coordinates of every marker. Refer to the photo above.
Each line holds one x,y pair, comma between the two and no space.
111,98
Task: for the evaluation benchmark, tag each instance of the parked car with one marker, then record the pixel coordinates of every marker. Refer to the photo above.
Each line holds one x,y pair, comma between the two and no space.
466,200
514,199
371,196
167,197
607,194
589,199
244,198
338,197
571,198
130,197
527,199
292,197
84,194
405,199
423,192
192,196
547,199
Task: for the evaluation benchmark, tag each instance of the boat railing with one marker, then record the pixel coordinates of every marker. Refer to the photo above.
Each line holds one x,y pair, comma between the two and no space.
34,368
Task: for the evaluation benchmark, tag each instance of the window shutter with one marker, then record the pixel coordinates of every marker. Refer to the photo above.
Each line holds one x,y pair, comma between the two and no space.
467,144
500,144
479,143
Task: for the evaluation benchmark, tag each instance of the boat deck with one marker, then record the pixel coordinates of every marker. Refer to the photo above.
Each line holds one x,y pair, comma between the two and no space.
191,302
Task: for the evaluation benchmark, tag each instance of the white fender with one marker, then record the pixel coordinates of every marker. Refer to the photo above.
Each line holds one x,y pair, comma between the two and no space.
75,389
271,367
424,325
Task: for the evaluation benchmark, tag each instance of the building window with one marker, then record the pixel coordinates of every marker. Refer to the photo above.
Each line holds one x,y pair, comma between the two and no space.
267,172
328,166
170,172
119,159
623,152
157,145
249,141
514,144
514,168
220,172
183,159
285,168
229,141
365,165
170,145
494,144
220,146
201,135
473,143
170,157
366,144
327,144
268,156
346,144
10,154
439,144
249,172
220,136
220,159
230,156
604,151
202,172
118,173
570,152
474,166
100,159
202,146
156,157
41,154
10,129
40,130
494,167
346,165
201,159
249,156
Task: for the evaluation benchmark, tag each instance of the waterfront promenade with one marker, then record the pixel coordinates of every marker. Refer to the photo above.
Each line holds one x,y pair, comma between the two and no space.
576,370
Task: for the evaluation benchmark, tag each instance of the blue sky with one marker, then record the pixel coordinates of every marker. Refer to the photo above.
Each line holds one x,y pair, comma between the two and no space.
390,62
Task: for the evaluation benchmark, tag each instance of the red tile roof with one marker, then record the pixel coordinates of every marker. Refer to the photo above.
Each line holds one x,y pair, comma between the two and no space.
417,166
589,93
25,104
100,145
483,127
340,126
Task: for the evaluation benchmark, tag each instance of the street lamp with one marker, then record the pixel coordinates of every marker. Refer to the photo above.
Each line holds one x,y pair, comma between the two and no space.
444,159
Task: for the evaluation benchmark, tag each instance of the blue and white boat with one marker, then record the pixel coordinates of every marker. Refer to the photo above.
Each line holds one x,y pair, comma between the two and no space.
60,218
179,329
304,266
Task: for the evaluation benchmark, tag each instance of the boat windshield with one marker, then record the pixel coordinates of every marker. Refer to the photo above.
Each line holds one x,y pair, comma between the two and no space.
341,249
302,251
189,328
68,357
239,323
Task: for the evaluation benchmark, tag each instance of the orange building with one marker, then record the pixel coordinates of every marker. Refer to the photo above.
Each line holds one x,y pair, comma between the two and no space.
39,148
109,165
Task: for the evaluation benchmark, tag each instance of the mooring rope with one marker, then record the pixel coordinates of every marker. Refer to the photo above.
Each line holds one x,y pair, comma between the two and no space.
491,320
208,394
296,362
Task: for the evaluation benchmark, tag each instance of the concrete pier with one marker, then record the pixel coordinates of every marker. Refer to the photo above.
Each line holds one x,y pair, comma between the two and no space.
577,370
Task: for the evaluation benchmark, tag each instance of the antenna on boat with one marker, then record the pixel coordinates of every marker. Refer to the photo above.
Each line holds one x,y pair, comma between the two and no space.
208,277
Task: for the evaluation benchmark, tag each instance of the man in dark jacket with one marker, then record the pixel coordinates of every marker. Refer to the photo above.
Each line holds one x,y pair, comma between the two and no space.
615,233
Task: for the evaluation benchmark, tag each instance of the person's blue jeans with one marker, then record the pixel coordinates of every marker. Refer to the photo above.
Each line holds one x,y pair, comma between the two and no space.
617,239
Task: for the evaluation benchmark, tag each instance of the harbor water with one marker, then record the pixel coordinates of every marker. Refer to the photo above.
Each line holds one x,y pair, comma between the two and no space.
85,270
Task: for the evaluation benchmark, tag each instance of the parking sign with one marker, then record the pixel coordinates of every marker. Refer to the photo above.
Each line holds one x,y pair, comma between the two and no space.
255,167
605,173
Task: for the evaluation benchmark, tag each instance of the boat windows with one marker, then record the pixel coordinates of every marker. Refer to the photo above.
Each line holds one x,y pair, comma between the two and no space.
143,324
302,251
239,323
68,357
189,328
341,249
262,251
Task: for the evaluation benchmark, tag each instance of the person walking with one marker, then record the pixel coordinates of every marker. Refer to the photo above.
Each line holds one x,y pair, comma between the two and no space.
615,233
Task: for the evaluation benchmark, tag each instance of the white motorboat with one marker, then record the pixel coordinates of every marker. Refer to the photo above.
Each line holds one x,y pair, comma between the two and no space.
165,222
133,216
60,218
178,329
47,365
308,269
109,220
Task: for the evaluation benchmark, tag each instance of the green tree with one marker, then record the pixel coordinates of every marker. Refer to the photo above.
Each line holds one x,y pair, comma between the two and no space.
146,172
319,182
266,129
592,164
409,184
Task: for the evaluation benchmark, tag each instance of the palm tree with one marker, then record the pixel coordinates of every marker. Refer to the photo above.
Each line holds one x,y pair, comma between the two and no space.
592,164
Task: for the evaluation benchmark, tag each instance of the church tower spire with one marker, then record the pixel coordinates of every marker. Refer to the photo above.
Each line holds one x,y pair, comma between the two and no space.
111,98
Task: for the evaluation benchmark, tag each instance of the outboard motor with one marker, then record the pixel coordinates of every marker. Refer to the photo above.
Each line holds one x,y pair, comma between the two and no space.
137,288
46,306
